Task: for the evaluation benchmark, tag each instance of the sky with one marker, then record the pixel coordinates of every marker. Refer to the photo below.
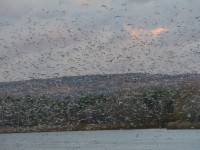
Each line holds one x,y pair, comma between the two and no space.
45,39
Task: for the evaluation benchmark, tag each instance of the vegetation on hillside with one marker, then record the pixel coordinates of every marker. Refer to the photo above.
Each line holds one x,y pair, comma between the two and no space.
144,107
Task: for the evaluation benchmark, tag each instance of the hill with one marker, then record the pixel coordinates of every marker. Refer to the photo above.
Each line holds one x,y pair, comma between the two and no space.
76,86
118,101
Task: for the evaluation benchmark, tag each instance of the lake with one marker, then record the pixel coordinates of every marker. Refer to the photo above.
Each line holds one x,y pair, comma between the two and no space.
144,139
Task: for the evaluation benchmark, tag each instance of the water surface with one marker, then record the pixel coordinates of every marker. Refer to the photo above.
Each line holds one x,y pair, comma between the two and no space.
148,139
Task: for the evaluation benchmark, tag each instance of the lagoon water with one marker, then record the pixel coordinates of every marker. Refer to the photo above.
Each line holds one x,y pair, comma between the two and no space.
148,139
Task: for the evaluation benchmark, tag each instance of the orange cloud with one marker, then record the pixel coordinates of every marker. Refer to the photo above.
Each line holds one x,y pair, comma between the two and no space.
139,32
135,33
158,30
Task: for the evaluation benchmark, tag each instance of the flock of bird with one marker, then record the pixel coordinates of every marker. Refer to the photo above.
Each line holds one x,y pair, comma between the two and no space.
95,38
110,39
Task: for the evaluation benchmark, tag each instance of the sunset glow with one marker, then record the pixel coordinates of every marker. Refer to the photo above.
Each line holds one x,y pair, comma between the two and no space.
158,30
139,32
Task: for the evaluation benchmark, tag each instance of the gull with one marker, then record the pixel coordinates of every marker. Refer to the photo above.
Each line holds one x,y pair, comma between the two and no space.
106,7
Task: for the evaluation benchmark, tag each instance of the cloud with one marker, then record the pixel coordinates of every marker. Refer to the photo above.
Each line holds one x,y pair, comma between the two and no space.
141,32
158,31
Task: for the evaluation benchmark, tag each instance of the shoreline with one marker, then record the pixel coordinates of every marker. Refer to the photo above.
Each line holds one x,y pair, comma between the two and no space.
95,127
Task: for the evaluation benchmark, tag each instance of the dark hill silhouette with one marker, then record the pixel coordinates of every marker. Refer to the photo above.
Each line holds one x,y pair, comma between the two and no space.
75,86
